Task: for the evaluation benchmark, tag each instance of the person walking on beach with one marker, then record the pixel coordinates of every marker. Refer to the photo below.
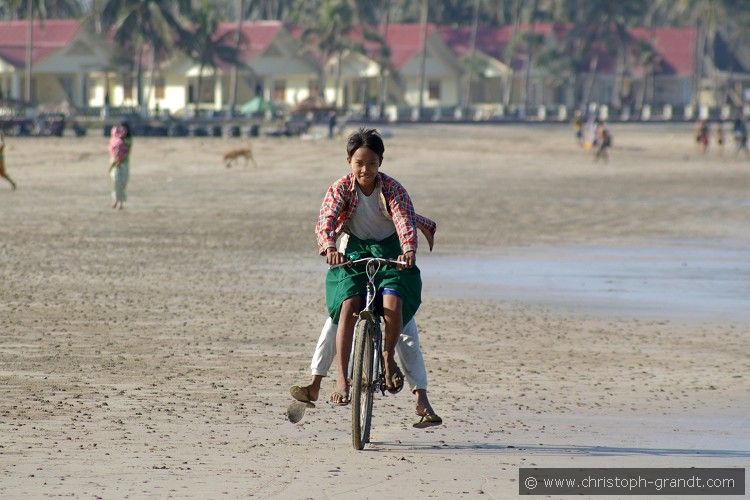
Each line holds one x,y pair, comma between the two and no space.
120,144
377,215
720,138
331,124
739,130
701,134
578,127
3,173
603,141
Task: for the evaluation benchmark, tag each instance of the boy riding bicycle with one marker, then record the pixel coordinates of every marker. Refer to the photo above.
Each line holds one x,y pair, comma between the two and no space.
374,213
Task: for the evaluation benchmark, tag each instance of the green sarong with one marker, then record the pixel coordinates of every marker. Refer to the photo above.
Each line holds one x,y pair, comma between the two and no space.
345,282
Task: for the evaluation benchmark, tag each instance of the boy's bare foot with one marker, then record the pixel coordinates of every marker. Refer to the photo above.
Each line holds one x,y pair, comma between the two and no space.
340,397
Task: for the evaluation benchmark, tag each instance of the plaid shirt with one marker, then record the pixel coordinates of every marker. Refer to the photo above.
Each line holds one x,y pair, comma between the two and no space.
340,203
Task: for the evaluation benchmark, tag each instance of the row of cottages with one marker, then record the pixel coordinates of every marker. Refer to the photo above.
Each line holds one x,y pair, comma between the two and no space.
71,65
503,71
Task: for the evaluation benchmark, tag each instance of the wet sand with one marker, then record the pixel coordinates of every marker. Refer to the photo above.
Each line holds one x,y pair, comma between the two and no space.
149,352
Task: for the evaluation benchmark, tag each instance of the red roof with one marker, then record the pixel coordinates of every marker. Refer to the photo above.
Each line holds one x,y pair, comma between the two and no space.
403,40
49,37
258,36
675,45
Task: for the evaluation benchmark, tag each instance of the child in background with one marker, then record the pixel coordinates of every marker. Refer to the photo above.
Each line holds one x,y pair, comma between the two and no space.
120,145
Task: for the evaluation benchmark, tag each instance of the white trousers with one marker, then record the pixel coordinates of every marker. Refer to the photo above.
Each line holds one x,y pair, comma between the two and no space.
408,354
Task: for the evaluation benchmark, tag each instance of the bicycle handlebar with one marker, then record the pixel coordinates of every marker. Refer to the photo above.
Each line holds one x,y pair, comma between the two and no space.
366,260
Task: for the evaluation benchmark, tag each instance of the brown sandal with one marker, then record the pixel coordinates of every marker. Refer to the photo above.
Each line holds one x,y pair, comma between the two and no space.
428,420
301,394
339,398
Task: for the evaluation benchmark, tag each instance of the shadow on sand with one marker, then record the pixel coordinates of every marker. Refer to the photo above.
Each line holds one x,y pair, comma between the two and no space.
582,450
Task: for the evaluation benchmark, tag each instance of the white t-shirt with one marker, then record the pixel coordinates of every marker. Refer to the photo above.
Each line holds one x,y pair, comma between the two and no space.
368,222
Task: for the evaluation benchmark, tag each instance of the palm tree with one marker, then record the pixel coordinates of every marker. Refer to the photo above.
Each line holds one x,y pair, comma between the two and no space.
329,34
707,16
601,28
145,24
240,12
201,43
649,59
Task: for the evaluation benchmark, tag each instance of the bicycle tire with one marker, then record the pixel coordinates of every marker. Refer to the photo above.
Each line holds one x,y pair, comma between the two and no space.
362,383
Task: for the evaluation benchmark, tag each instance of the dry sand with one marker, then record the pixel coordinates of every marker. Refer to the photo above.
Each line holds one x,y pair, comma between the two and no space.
149,352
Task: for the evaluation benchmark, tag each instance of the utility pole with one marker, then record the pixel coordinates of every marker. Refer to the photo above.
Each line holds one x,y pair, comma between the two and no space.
423,37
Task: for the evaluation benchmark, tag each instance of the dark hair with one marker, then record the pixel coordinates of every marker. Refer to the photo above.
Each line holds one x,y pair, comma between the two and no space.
368,138
126,125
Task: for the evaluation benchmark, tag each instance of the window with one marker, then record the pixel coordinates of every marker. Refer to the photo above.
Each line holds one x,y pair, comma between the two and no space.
433,90
279,90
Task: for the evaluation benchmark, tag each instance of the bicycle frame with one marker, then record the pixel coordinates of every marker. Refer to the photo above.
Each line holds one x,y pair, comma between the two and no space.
368,336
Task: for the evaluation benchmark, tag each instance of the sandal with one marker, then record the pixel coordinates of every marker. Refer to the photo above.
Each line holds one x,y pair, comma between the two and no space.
428,420
301,394
339,398
397,381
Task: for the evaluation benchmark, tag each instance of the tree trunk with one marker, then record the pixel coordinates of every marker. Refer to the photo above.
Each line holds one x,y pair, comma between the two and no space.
29,48
423,40
529,58
472,54
200,84
382,76
337,83
590,85
139,78
698,66
233,77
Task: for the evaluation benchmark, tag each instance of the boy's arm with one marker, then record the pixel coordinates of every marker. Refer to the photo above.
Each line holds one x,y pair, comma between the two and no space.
325,230
404,218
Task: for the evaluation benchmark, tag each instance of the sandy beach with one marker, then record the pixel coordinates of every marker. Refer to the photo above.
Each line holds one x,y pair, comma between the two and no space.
575,314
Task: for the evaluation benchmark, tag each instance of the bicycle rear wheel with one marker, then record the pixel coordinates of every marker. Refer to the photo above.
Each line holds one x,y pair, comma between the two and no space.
362,383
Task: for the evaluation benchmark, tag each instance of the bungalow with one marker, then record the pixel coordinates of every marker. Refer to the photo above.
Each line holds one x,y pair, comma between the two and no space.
276,69
359,76
63,58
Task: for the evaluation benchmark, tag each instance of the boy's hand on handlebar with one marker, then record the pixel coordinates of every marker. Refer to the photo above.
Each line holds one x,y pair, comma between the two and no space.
409,257
334,257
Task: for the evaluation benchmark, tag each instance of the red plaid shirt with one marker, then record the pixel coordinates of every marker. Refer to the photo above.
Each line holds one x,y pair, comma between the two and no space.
340,203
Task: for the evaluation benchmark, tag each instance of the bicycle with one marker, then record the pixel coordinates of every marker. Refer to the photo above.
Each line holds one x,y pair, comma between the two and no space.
366,371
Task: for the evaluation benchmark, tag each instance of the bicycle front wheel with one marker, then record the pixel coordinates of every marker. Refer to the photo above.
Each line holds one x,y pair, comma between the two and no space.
362,383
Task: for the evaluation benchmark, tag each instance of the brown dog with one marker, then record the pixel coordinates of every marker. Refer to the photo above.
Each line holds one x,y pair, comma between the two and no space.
235,154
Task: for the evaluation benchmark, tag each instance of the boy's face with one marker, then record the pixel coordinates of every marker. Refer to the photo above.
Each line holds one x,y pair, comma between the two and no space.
364,164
